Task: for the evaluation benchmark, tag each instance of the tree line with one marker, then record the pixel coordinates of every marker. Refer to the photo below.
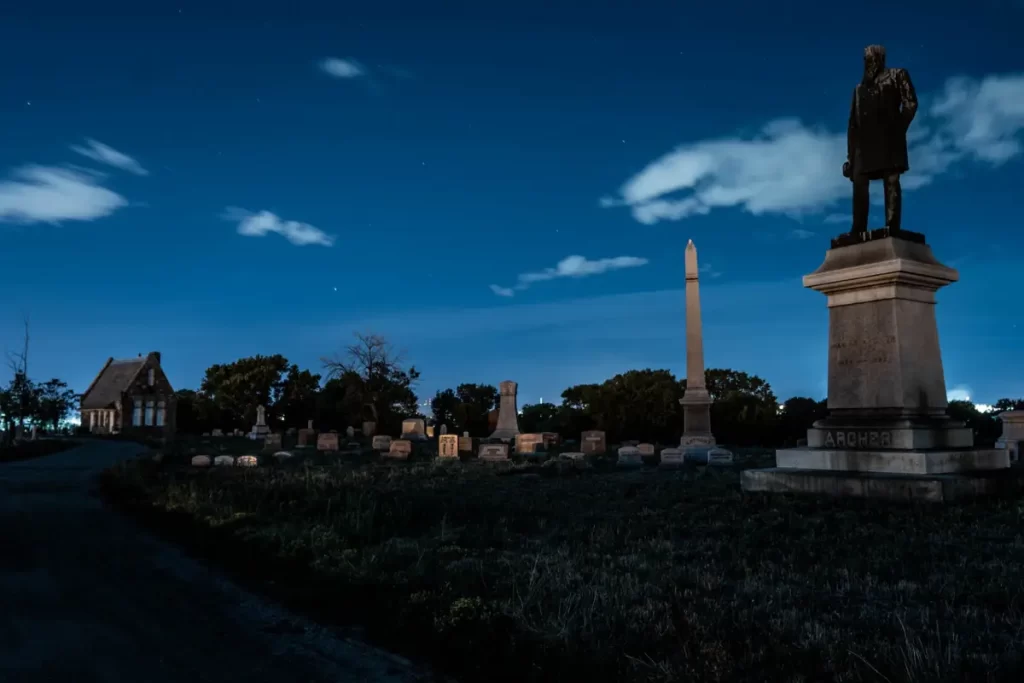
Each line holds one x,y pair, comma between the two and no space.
369,382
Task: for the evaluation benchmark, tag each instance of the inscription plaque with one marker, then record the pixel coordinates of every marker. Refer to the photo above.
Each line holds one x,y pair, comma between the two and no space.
858,438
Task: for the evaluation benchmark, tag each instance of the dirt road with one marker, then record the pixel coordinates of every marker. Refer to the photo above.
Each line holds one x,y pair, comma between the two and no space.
87,596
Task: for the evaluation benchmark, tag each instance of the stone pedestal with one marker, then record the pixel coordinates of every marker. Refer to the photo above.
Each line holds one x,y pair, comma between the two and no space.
508,415
1013,433
887,433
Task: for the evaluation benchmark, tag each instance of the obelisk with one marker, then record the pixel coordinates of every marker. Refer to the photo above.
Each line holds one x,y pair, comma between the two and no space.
508,416
696,401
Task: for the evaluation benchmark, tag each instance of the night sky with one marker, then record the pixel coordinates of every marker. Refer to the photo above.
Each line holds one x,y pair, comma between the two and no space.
503,189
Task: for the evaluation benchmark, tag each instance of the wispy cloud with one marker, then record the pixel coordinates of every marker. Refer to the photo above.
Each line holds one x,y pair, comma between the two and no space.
708,269
570,266
838,218
800,234
342,68
263,223
105,154
793,169
49,194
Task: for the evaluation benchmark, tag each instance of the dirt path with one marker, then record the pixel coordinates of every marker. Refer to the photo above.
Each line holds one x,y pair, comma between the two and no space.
87,596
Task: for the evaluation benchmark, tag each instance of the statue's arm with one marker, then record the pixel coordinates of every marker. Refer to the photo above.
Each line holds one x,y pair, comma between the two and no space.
908,96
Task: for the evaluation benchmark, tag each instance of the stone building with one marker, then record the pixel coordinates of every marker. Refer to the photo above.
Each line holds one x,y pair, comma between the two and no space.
130,397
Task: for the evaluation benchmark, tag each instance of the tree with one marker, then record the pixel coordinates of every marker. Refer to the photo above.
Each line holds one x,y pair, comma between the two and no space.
298,400
237,388
797,416
539,417
371,372
722,384
985,426
639,404
1004,404
56,401
196,412
476,401
445,407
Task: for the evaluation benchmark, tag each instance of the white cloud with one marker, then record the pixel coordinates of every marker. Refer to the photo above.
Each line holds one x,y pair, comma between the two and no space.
800,234
838,218
961,392
105,154
264,222
342,68
708,270
571,266
794,169
48,194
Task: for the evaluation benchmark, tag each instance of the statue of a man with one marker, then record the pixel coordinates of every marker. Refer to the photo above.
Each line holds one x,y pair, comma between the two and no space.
884,104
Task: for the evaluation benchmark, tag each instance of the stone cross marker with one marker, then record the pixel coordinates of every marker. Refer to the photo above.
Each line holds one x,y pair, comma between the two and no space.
508,416
696,401
593,442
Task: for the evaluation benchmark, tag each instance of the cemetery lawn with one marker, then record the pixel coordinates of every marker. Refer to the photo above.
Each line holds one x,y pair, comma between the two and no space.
27,450
585,573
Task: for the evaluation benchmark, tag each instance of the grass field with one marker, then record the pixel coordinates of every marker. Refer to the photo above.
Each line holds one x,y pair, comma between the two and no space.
581,572
27,450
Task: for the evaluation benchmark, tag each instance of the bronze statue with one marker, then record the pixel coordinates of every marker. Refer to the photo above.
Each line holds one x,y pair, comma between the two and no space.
884,104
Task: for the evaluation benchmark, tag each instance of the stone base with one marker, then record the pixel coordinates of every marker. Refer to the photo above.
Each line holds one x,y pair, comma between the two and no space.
892,462
906,434
930,488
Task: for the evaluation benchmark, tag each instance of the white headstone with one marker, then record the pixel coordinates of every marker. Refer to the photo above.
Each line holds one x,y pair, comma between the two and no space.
719,456
201,461
672,457
282,455
247,461
222,460
444,429
261,416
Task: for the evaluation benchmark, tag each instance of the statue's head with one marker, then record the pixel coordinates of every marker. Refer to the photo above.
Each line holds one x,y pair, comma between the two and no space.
874,61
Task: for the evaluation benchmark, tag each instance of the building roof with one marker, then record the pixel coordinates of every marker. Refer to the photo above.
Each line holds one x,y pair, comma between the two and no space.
113,379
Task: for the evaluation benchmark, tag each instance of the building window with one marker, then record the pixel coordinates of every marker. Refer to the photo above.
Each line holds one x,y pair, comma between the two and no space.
149,413
161,413
151,376
137,413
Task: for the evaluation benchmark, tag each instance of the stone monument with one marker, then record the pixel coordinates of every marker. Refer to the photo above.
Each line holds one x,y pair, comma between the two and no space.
1013,433
887,434
260,429
413,429
508,416
697,438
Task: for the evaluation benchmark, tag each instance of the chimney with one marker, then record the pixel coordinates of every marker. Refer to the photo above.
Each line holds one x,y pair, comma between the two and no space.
156,355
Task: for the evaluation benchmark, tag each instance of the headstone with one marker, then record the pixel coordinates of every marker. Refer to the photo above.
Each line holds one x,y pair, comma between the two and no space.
719,456
444,429
350,431
551,439
34,432
260,428
447,446
291,431
206,433
508,416
217,432
593,442
381,442
237,432
307,437
223,460
201,461
672,457
528,443
696,400
247,461
629,456
465,434
430,431
400,449
493,452
413,429
573,455
309,424
283,455
369,428
327,442
646,448
1013,433
466,444
272,441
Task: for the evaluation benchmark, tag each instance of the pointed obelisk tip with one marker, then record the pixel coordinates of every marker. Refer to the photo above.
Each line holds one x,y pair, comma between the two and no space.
689,245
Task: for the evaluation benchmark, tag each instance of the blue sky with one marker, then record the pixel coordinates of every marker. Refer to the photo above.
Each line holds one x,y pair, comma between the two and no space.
214,180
